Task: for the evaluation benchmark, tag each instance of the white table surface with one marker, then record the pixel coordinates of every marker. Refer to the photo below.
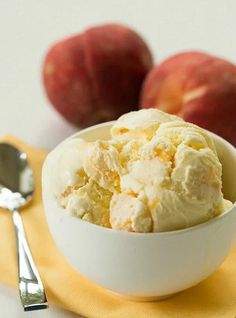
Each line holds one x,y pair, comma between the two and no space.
29,27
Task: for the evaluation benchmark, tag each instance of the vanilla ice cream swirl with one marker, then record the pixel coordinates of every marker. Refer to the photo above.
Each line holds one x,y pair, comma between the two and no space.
157,173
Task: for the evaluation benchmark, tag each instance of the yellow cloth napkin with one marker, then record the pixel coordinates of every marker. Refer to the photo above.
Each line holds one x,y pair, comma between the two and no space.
214,297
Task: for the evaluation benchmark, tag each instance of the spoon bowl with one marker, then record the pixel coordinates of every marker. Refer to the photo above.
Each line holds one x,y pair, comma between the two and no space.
16,178
16,190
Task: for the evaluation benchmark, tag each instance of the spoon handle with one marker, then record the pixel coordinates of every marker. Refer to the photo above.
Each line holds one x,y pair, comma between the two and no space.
30,285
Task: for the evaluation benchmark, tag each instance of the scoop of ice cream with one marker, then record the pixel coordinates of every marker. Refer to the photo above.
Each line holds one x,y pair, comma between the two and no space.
90,203
129,213
157,173
64,166
102,165
179,174
140,124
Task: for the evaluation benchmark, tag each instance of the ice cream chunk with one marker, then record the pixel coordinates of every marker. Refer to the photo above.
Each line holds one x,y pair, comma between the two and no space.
180,174
180,132
102,165
140,124
157,173
90,203
129,213
65,166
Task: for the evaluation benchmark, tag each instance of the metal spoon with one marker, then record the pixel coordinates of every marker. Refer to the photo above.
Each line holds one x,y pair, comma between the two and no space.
16,190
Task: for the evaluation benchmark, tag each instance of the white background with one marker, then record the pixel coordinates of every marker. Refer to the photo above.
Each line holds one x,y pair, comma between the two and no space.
29,27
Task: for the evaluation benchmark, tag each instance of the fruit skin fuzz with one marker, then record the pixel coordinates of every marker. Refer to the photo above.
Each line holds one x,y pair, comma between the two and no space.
97,75
198,87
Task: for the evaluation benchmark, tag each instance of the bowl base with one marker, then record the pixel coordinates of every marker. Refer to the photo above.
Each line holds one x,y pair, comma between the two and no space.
145,298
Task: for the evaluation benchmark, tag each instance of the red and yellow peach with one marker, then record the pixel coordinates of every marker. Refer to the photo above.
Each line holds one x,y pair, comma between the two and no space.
97,75
199,88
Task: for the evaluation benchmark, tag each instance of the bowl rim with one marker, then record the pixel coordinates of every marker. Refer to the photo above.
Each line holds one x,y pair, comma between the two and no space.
196,227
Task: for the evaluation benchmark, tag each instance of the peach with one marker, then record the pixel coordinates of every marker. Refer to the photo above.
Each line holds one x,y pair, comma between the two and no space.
97,75
197,87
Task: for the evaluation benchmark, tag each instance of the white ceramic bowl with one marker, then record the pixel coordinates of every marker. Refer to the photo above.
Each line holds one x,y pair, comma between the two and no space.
146,266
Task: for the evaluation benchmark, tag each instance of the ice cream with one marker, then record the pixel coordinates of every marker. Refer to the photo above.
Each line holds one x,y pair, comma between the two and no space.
156,173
